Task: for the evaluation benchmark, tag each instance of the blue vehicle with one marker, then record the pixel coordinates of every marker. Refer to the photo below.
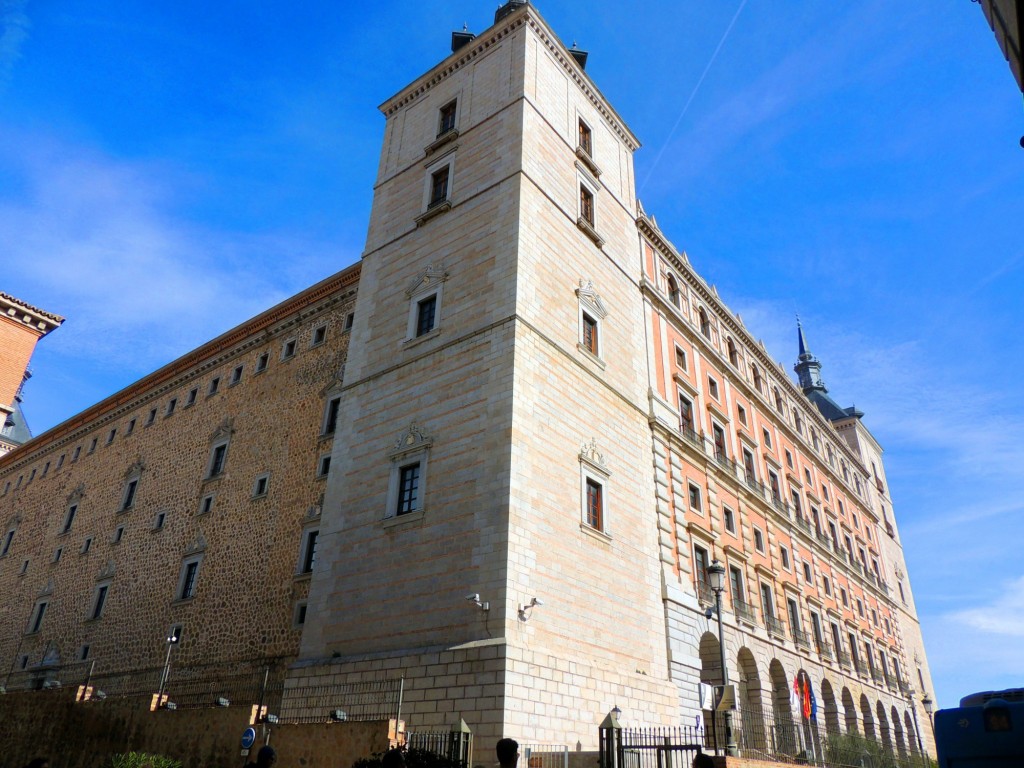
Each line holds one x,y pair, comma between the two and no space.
985,731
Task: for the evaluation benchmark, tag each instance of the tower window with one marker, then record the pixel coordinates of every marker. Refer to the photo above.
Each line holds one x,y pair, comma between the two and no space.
586,138
595,505
590,335
439,186
587,205
447,118
408,489
426,314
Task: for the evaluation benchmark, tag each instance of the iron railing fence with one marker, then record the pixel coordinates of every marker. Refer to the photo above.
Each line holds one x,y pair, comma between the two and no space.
672,747
544,755
362,701
456,745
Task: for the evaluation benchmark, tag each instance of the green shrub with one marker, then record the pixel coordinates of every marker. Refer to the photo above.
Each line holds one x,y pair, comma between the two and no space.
143,760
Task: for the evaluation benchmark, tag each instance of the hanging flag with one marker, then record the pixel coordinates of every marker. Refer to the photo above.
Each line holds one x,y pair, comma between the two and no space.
794,695
807,697
814,702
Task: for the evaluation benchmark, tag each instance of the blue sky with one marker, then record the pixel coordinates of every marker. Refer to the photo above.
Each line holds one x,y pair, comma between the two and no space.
167,172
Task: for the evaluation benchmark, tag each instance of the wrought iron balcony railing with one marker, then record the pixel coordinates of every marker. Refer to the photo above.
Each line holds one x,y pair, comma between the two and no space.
744,611
774,626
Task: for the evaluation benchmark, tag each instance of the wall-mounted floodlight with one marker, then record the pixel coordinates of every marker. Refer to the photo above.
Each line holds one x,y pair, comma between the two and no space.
475,599
339,715
526,611
222,702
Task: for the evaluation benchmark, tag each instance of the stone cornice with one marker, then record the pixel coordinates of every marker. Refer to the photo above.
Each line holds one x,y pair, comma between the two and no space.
39,320
239,339
527,16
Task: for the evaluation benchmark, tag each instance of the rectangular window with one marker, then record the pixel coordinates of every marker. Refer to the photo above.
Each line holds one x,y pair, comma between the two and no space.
83,653
586,138
92,444
309,551
447,118
324,466
685,413
60,459
192,395
350,318
680,359
236,374
595,505
127,430
736,584
206,505
741,414
288,350
214,386
86,545
331,416
408,489
111,435
694,493
808,576
767,601
7,543
758,540
700,567
794,616
259,487
767,436
99,601
860,608
37,616
784,555
151,417
129,495
118,534
46,468
76,454
300,614
842,594
587,205
439,186
69,518
718,436
789,459
57,553
171,405
187,588
159,520
730,519
24,568
773,483
426,313
712,387
261,362
589,334
749,470
217,459
319,336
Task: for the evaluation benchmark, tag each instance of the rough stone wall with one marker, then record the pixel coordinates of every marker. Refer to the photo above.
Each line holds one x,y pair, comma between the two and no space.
85,735
248,544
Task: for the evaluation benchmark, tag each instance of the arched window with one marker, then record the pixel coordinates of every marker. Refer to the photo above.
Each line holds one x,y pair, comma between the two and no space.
734,356
799,421
756,375
705,324
778,401
673,292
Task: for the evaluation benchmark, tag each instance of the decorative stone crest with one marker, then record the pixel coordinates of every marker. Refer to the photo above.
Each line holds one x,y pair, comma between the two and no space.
590,454
107,571
47,589
427,279
224,431
135,469
77,494
412,439
589,298
197,546
899,573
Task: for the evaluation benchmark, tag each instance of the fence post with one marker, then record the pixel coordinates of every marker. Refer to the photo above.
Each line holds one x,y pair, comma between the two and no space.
610,741
460,743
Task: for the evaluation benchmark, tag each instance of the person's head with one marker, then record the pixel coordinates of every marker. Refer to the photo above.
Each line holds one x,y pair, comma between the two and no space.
266,757
703,760
393,758
508,752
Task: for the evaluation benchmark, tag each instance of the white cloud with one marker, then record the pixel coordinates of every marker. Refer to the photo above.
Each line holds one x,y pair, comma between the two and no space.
1002,616
97,240
14,26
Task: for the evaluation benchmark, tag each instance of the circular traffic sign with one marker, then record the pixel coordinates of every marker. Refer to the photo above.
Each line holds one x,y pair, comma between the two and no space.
248,738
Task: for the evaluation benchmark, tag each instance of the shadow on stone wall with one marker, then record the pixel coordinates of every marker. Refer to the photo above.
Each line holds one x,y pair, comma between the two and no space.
85,735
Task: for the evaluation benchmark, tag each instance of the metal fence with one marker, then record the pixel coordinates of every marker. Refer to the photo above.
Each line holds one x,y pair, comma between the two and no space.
456,745
544,755
654,747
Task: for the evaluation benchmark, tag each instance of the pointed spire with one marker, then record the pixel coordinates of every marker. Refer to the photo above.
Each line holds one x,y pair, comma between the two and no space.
807,367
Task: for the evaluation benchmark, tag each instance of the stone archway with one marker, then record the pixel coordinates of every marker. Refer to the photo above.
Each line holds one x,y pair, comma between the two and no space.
897,728
829,707
752,733
869,718
908,722
710,674
784,730
850,711
883,727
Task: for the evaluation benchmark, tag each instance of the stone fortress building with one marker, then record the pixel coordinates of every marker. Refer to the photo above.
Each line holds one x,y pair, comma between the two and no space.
496,458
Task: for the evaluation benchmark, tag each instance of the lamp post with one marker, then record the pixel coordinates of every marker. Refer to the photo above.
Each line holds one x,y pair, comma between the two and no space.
929,707
917,728
716,579
172,640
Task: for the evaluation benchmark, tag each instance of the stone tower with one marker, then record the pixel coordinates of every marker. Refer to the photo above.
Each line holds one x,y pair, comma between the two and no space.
494,440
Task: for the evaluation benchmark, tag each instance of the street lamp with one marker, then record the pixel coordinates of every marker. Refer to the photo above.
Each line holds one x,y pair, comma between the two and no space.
716,579
929,707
